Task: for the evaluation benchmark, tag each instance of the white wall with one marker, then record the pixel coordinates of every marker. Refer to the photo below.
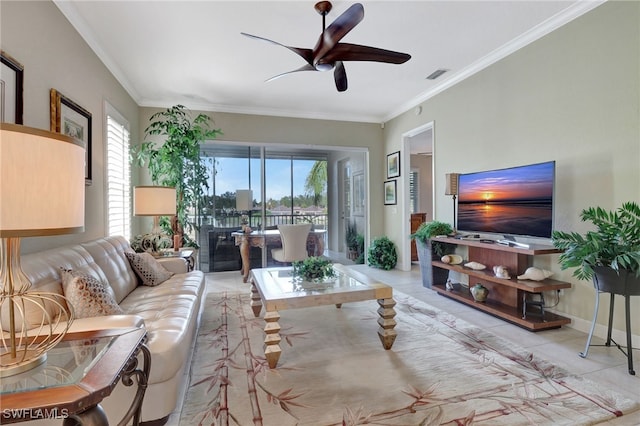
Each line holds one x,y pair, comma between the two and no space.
37,35
573,97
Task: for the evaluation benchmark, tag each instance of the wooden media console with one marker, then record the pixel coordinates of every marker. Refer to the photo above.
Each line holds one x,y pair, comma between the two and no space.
506,296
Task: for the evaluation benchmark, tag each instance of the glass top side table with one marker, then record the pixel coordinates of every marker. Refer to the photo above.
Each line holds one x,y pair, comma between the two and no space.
77,375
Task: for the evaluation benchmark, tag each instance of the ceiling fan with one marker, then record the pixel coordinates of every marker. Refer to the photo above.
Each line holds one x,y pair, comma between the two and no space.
329,54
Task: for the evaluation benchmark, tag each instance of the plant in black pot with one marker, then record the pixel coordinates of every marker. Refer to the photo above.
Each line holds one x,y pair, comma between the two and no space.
428,249
610,255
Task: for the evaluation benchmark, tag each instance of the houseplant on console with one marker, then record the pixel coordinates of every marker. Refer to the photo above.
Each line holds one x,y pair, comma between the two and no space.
429,249
610,255
177,162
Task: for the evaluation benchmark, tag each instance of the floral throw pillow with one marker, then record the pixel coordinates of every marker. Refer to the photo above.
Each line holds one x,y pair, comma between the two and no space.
150,271
87,295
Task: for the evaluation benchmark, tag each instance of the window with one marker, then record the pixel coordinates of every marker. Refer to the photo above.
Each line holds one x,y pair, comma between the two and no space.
414,189
118,175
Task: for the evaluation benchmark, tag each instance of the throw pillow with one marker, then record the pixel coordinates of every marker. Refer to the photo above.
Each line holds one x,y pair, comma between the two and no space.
87,295
150,271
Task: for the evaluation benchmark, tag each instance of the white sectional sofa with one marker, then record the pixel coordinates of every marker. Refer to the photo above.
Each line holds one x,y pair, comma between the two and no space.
169,311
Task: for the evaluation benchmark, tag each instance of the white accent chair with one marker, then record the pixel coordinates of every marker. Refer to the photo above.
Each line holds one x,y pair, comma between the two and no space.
294,243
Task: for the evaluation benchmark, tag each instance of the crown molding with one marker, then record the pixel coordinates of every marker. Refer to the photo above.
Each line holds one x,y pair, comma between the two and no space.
561,18
70,12
68,9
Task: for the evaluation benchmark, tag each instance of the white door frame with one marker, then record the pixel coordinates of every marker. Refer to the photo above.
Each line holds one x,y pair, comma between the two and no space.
404,187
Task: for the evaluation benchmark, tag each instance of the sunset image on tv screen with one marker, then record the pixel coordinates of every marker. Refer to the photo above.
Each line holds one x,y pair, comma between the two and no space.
517,200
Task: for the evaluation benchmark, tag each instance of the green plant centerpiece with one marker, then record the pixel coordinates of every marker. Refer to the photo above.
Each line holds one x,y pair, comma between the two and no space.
430,249
611,250
382,254
313,269
177,162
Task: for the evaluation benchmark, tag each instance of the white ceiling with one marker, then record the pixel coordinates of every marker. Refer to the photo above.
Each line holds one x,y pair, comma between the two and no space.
192,53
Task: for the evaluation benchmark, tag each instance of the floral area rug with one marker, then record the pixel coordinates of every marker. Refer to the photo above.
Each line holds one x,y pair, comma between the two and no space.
334,371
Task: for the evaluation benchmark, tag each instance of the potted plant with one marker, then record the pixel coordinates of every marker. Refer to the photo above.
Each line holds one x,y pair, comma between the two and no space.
313,269
610,254
428,249
177,163
382,254
351,239
359,249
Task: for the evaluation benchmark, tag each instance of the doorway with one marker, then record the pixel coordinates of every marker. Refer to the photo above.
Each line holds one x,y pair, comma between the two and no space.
417,149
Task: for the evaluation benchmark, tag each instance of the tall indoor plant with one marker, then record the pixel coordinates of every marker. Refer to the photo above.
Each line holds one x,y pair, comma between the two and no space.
429,250
610,254
176,161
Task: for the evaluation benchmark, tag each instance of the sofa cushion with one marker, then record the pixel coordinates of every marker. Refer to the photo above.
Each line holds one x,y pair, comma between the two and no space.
42,270
88,296
148,269
170,311
108,254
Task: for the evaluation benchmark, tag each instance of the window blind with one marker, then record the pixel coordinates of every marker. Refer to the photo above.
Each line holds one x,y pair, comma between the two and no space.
118,177
413,191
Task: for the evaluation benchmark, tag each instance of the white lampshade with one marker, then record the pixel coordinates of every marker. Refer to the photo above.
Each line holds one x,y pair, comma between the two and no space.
154,201
451,187
42,183
41,193
244,200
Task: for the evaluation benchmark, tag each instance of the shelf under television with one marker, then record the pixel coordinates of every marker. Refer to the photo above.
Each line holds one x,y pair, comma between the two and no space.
532,322
505,295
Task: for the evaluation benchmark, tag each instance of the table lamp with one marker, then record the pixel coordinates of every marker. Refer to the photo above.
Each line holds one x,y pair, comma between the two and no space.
154,201
451,188
244,203
42,190
244,200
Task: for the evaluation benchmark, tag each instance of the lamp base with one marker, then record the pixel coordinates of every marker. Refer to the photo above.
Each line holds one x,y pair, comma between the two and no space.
21,367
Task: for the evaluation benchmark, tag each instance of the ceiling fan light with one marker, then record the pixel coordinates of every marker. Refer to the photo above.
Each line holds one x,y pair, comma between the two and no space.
325,67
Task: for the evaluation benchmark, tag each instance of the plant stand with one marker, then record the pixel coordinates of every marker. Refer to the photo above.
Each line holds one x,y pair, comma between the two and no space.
606,280
430,274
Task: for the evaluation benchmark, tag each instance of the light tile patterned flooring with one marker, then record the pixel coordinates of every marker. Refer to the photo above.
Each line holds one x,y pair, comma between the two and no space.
605,366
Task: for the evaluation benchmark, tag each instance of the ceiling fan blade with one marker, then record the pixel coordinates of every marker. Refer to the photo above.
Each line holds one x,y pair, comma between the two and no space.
340,76
306,54
356,52
305,67
337,30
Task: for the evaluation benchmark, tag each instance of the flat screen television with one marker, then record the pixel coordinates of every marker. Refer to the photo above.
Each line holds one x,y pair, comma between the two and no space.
516,201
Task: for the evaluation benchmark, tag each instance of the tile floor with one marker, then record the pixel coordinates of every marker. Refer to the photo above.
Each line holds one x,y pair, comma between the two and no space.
604,366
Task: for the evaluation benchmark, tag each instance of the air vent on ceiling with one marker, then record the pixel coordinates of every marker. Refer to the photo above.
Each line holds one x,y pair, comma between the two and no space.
436,74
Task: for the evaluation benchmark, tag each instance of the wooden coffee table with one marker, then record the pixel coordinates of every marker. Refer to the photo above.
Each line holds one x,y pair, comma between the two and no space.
275,289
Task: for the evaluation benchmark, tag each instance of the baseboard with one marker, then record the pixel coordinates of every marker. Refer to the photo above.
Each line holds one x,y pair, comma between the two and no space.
580,324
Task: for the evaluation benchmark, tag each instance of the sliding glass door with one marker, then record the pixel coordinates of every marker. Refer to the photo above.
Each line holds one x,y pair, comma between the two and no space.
294,188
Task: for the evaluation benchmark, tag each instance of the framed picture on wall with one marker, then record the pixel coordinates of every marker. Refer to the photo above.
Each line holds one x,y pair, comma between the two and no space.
11,87
393,165
390,192
69,118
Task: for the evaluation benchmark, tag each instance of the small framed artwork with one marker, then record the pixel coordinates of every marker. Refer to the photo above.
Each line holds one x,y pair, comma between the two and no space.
390,192
393,165
69,118
11,87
